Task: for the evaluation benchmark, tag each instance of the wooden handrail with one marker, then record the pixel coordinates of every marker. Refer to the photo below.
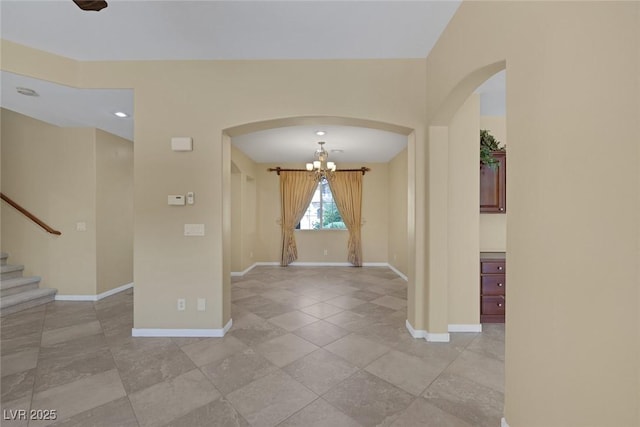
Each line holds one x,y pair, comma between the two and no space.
30,215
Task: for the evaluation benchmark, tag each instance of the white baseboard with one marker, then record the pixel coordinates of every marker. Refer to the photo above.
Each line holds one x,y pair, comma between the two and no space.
255,264
473,327
442,337
322,264
503,422
428,336
94,297
242,273
398,272
416,333
215,333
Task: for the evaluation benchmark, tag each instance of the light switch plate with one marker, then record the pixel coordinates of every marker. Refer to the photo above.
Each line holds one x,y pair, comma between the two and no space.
182,143
81,226
194,229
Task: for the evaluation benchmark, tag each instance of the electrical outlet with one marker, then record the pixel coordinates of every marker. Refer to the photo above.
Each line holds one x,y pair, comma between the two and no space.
326,252
202,304
182,304
250,254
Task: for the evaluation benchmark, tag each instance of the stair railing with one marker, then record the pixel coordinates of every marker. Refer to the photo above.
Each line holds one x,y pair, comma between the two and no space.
30,215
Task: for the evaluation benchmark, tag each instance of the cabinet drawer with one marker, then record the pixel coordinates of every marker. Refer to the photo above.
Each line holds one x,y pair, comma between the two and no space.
493,305
493,284
489,267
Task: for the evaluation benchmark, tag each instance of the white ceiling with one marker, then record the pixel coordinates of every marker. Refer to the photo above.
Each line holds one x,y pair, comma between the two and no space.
130,30
65,106
298,143
178,29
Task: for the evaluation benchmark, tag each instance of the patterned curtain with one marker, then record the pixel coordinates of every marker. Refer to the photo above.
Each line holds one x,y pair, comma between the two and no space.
346,188
296,192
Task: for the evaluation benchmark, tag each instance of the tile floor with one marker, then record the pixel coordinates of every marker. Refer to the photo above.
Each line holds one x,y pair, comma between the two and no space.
308,347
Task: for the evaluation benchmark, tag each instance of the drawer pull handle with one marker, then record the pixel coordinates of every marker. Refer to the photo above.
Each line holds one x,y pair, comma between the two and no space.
499,304
500,285
500,268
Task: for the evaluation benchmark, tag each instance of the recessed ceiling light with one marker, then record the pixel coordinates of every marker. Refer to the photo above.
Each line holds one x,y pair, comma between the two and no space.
26,91
320,133
120,114
337,150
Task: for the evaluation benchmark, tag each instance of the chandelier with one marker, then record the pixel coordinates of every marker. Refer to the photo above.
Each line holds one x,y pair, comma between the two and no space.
321,168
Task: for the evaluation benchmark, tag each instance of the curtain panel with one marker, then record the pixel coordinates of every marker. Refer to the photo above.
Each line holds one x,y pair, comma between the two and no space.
296,192
346,188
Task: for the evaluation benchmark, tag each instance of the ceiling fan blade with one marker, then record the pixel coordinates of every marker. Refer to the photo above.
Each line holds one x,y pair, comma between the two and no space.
95,5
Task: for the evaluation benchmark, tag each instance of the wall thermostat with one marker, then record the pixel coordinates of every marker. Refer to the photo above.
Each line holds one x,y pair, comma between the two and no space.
176,200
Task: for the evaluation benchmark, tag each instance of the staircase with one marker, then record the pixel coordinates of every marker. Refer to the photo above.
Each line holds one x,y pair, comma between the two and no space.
19,293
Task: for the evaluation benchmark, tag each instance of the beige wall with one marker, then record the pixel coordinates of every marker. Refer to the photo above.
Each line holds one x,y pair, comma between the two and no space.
572,260
398,246
244,215
463,215
493,227
66,176
312,243
50,171
114,211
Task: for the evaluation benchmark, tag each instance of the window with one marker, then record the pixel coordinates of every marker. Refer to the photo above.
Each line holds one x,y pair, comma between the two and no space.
322,212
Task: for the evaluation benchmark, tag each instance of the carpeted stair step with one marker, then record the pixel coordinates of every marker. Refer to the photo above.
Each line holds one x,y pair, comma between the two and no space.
18,284
24,300
3,258
11,271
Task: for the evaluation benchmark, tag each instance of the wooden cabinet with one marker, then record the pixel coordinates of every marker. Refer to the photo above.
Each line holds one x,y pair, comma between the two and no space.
493,288
493,185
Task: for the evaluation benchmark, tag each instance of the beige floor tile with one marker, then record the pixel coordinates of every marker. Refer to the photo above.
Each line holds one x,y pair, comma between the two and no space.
18,385
349,320
321,310
211,350
238,370
115,413
476,404
320,295
219,413
423,414
321,333
410,373
143,362
153,370
165,401
487,371
12,412
79,396
293,320
320,370
357,350
285,349
253,330
56,336
368,399
72,360
271,399
21,361
345,301
390,302
319,414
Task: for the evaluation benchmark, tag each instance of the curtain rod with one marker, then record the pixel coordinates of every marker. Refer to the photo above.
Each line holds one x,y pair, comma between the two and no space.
279,169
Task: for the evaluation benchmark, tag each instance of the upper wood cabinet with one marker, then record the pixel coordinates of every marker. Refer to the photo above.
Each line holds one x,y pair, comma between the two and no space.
493,185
